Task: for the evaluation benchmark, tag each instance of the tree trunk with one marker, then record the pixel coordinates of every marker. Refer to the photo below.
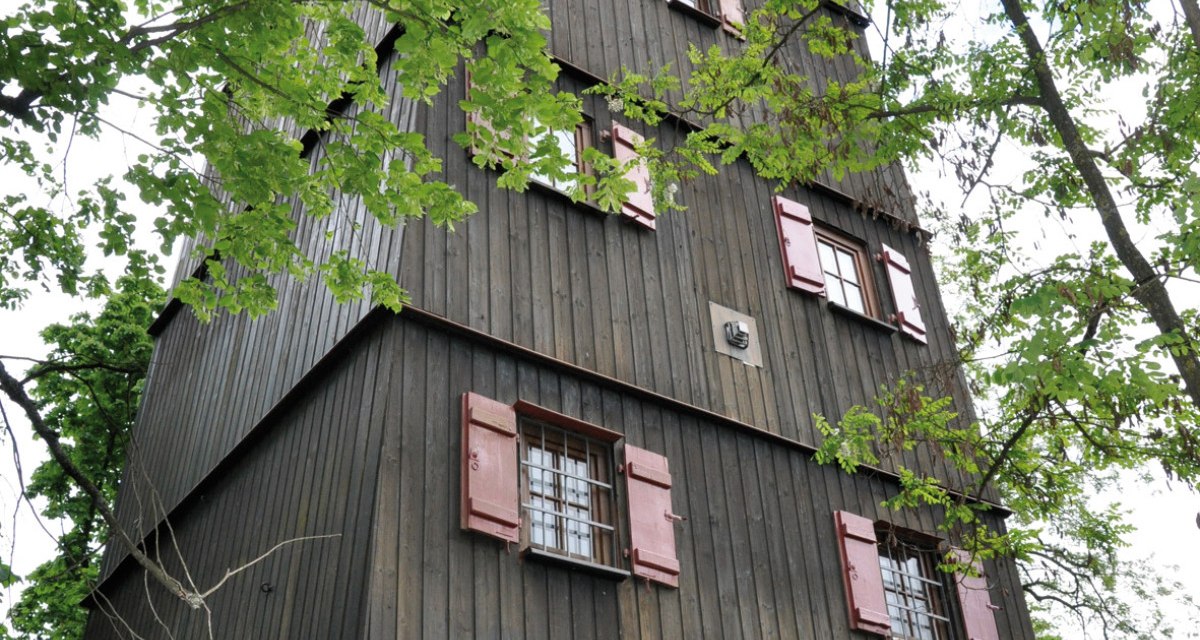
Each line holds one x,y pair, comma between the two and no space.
1191,13
1148,289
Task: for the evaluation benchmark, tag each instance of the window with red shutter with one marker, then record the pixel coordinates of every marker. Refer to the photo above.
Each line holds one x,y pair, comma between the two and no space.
798,245
895,589
490,498
640,207
731,16
726,14
859,553
567,490
908,308
651,521
979,618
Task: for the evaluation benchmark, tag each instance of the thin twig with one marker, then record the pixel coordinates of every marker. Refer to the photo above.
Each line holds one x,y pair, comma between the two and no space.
229,573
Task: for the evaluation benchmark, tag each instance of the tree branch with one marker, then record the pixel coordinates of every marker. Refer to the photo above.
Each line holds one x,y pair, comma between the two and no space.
229,573
1191,13
16,392
1029,101
1149,290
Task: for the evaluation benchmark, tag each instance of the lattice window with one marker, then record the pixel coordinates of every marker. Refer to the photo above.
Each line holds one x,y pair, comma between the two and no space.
567,493
914,589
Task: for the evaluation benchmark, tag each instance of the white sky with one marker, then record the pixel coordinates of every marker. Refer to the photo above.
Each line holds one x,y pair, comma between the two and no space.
1166,520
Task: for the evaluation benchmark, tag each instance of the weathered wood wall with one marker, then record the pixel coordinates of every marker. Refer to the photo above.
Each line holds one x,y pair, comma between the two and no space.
593,289
758,550
571,283
310,472
210,384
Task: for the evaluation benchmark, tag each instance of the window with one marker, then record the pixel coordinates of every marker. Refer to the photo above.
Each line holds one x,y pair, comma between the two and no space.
847,272
726,14
546,481
566,493
571,144
699,5
894,588
824,262
914,589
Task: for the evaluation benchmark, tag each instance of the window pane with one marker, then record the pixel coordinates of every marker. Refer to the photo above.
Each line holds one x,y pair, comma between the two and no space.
846,265
828,260
566,144
542,531
577,491
833,289
541,481
854,298
579,533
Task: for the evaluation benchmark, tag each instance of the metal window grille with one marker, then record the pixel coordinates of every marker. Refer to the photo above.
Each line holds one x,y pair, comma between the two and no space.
567,493
914,589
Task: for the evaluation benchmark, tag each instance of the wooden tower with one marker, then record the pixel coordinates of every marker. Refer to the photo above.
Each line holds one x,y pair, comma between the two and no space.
585,425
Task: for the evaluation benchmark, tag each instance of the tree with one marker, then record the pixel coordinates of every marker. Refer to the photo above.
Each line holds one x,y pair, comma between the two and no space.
1077,385
88,388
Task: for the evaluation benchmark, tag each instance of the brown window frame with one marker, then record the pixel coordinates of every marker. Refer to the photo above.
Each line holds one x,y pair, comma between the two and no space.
903,590
565,443
584,139
862,263
706,11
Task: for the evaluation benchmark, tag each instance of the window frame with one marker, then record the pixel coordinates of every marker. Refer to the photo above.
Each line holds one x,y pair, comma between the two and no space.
584,139
606,560
863,269
900,547
702,10
594,508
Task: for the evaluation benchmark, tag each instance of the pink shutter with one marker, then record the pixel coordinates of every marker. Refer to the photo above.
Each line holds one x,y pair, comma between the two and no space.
731,14
798,245
908,309
651,522
490,489
979,621
860,572
641,204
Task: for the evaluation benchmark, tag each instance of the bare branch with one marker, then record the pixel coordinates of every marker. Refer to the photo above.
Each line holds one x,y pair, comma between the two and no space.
229,573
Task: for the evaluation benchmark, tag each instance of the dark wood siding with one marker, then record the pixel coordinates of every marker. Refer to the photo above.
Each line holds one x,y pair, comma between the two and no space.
593,289
294,424
310,472
757,552
210,384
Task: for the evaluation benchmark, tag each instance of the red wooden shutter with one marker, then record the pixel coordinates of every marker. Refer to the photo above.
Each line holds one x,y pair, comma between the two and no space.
641,204
798,245
490,489
977,608
908,309
731,14
860,572
651,522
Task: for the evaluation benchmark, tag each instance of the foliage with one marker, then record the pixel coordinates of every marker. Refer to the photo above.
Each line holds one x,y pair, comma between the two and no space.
215,78
88,387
